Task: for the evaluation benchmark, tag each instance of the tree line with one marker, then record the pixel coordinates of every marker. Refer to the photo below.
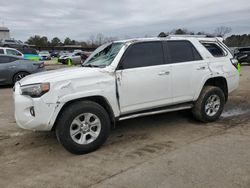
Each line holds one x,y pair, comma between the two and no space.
93,41
98,39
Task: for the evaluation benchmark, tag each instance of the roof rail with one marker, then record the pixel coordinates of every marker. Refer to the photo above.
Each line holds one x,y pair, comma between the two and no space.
196,36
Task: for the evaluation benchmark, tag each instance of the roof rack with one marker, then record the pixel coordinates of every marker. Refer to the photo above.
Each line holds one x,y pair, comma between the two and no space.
196,36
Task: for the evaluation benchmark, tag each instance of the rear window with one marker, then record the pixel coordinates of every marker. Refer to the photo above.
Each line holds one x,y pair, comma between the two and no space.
214,49
182,51
1,51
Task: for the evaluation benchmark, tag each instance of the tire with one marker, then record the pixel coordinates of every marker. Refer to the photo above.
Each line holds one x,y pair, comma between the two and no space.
83,142
209,105
18,76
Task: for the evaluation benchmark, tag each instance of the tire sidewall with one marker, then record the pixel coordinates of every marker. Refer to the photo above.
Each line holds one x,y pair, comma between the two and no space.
219,93
15,77
63,129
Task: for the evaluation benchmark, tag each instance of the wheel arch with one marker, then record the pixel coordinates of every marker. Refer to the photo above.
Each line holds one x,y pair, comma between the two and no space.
13,76
98,99
220,82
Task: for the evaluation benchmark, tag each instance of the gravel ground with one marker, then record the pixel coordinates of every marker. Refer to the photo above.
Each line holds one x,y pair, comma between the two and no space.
167,150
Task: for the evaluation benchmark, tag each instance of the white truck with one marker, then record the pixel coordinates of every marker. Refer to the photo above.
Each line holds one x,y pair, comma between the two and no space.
127,79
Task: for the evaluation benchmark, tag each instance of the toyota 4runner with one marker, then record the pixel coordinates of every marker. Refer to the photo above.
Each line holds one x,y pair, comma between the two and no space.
127,79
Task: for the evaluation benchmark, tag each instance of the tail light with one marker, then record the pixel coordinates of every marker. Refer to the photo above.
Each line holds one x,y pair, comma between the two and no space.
40,65
234,62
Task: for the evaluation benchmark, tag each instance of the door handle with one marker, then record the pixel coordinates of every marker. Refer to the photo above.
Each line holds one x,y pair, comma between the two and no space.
163,73
12,67
201,68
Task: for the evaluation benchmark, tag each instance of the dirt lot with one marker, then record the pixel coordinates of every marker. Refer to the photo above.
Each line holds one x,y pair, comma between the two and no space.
167,150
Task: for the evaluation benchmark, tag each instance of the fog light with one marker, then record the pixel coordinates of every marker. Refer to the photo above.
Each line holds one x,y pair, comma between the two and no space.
32,111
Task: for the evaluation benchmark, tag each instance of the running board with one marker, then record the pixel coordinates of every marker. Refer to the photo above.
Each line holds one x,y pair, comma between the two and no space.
157,111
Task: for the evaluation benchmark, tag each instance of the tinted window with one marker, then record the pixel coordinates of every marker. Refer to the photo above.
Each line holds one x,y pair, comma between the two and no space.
182,51
1,51
214,49
9,41
244,49
5,59
143,55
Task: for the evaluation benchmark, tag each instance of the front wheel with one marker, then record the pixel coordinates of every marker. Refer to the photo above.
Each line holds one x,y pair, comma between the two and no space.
83,127
209,105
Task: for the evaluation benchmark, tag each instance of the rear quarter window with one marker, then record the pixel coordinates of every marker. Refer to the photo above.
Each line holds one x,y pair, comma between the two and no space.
214,49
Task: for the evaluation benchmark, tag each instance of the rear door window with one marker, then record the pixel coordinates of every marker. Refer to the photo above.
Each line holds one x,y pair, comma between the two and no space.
214,49
143,55
181,51
1,51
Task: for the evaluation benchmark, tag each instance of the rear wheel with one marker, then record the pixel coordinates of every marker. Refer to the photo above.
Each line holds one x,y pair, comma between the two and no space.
18,76
209,105
83,127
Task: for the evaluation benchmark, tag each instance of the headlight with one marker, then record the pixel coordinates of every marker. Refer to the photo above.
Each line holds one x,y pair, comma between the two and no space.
35,90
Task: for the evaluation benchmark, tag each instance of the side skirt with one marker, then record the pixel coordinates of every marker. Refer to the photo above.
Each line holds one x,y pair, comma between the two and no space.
156,111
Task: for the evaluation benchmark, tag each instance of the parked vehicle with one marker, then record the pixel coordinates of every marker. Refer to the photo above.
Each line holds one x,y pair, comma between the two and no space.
63,53
243,54
13,68
54,53
44,55
127,79
30,53
85,55
74,57
11,51
13,43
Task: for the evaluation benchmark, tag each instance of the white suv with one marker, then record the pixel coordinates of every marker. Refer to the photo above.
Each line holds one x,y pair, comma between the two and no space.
127,79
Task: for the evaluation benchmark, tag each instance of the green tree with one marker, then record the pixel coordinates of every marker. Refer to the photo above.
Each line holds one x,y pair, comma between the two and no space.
162,34
67,41
55,41
38,41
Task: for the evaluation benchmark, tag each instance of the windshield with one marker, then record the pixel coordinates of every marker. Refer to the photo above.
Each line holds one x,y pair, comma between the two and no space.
104,55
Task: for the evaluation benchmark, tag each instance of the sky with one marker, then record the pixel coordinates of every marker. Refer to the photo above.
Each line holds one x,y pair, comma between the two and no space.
79,19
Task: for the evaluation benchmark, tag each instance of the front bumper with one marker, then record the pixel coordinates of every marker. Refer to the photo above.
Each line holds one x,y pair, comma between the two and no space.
24,105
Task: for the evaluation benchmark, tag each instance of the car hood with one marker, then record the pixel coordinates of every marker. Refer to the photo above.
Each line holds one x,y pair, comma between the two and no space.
63,75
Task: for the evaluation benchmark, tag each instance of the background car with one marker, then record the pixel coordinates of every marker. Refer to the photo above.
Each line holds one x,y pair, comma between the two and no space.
75,58
13,68
242,54
85,55
10,51
30,53
44,55
13,43
54,53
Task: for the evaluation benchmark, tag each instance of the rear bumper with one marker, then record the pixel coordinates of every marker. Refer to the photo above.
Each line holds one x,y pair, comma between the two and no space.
233,82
